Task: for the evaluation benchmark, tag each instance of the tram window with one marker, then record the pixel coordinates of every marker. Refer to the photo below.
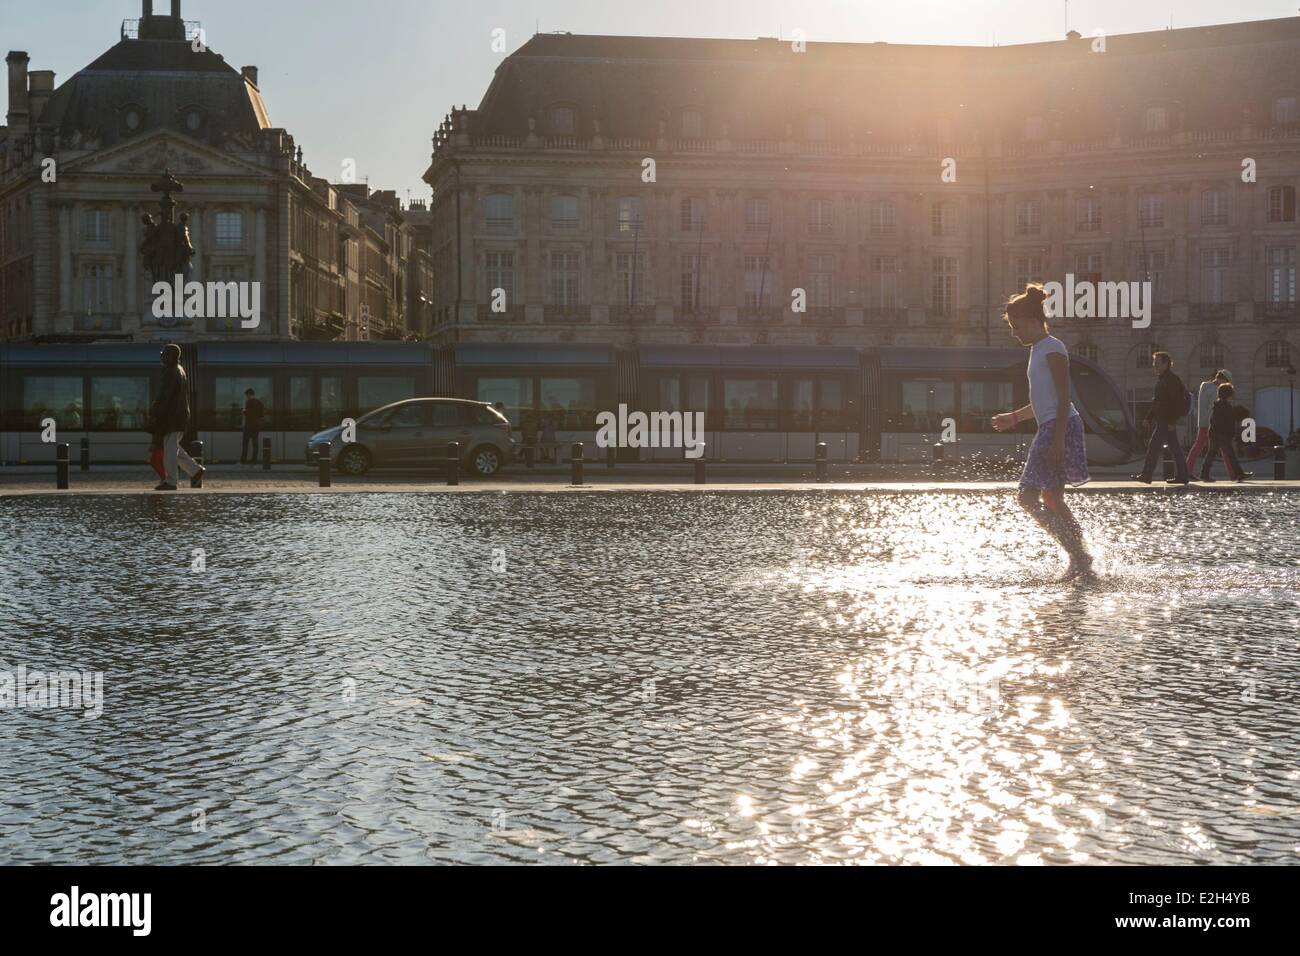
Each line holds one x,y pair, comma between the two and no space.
980,401
375,391
119,402
801,405
53,396
228,400
571,402
299,414
331,400
831,413
1102,401
751,403
670,394
923,404
516,394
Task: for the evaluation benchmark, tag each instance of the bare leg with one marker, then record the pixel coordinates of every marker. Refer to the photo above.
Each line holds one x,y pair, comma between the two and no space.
1056,519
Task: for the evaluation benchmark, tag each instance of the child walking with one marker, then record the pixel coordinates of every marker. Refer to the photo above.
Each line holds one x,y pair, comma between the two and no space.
1223,422
1057,454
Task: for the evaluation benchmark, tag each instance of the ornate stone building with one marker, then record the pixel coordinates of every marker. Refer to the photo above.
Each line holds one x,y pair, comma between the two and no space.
76,163
630,190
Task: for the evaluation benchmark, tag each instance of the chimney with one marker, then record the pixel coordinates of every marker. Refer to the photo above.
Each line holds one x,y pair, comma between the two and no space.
18,101
39,89
250,74
176,9
146,9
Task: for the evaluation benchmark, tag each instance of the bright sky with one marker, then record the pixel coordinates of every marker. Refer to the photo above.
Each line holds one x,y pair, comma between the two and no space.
372,80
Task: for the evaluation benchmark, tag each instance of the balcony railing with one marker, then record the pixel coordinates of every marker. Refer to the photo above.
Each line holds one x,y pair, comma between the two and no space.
512,313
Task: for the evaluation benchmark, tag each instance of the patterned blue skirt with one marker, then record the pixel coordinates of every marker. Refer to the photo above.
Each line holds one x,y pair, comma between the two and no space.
1041,473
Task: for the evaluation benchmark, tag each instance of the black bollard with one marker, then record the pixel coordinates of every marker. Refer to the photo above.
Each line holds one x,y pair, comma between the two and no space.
530,452
453,463
323,460
85,454
699,464
1170,471
577,462
266,454
61,466
1279,463
821,461
610,454
940,457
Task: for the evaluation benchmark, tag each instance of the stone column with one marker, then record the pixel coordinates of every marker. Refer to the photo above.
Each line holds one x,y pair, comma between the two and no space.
1178,271
260,271
198,271
66,239
534,255
597,202
131,259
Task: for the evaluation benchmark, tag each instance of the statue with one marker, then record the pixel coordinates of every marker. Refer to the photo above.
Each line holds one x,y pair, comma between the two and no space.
166,250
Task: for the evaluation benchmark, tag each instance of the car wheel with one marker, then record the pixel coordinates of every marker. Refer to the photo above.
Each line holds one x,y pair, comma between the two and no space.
485,461
354,460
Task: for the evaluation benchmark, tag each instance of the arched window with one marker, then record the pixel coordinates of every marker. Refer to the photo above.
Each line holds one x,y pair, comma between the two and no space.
1277,354
1157,119
1286,110
564,120
1142,355
499,211
692,124
1088,351
1281,204
1211,356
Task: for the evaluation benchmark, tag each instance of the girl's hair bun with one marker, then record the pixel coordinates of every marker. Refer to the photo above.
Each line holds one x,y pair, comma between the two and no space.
1035,293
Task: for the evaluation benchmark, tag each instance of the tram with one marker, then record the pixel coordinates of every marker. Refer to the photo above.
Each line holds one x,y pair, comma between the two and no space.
760,403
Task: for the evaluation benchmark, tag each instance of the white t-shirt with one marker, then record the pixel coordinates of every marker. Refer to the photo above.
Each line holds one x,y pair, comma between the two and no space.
1205,397
1042,389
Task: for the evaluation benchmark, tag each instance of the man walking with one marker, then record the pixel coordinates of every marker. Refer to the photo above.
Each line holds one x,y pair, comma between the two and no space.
1205,398
170,416
1170,405
254,410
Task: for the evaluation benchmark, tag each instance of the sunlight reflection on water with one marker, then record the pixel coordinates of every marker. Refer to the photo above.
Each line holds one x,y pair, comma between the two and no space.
802,677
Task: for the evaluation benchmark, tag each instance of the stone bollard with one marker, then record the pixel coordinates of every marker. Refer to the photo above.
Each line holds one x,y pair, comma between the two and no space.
323,461
1170,470
266,454
821,461
453,463
610,454
576,461
85,454
1279,462
196,452
61,466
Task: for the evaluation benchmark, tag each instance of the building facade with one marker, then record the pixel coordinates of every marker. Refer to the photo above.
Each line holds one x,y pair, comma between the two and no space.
76,165
630,190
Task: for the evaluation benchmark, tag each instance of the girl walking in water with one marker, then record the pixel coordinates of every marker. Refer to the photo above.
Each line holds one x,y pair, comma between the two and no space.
1057,454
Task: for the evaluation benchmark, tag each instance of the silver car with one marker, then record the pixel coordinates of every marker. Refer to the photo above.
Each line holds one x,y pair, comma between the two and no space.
416,432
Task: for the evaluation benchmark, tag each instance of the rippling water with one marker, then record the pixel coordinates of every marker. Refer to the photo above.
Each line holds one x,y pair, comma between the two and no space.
678,677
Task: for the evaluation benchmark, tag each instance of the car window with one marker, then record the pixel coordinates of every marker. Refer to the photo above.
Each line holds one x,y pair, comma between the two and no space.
488,416
408,416
444,414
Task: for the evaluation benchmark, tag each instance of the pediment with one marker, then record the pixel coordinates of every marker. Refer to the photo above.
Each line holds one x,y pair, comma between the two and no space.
164,149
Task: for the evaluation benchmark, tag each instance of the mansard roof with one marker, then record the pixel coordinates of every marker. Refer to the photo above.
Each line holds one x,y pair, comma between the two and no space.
760,88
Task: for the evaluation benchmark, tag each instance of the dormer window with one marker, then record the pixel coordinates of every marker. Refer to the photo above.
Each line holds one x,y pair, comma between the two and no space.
816,128
564,120
1157,119
193,119
692,124
1035,129
132,118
